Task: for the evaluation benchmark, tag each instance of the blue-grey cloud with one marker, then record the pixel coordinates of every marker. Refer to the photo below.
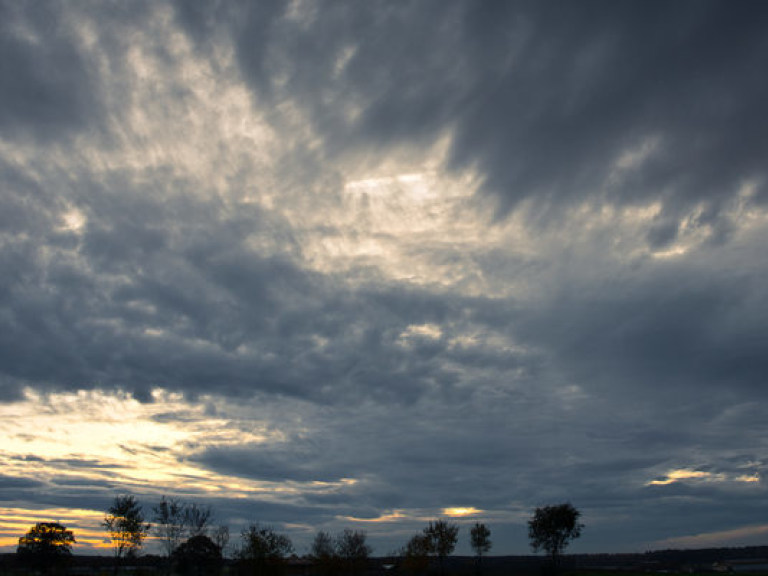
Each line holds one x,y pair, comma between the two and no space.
49,92
543,99
597,331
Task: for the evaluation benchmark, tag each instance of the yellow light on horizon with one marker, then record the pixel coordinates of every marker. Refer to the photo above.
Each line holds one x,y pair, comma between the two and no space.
748,478
461,511
392,517
681,474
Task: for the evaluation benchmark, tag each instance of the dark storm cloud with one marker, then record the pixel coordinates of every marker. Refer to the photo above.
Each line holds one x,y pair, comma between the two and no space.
47,87
544,98
668,327
183,267
597,377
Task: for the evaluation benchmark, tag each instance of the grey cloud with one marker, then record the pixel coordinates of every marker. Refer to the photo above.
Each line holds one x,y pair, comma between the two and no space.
664,329
183,268
544,99
611,371
48,90
17,483
287,462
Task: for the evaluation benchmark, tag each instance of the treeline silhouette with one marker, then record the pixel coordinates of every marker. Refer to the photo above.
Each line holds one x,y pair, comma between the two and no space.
191,543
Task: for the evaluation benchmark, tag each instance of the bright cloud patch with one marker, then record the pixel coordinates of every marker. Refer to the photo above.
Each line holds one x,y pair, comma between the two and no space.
682,474
462,511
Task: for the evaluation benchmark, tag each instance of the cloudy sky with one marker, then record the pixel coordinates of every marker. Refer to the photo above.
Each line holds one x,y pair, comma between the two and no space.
326,264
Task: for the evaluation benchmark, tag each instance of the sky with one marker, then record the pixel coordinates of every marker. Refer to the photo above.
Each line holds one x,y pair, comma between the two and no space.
333,264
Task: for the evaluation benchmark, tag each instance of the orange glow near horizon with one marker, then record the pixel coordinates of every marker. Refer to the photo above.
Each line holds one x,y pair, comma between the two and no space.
112,440
470,511
391,517
85,525
681,474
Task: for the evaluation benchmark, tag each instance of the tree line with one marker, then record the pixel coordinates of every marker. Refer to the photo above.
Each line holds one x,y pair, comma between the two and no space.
192,544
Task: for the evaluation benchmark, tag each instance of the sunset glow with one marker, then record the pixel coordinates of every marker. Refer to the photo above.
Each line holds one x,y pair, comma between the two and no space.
461,512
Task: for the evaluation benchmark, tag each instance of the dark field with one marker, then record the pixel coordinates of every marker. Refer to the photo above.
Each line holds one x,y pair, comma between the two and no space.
712,561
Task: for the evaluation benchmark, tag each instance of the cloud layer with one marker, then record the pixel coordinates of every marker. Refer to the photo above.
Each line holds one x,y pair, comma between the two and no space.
340,266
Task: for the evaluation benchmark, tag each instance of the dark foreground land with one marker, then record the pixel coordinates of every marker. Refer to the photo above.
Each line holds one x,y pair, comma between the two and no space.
752,560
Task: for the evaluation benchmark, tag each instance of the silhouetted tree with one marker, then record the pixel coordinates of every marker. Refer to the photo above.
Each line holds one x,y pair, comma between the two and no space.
480,539
47,546
352,550
323,552
127,529
169,524
199,555
323,546
415,555
552,528
442,537
196,519
221,537
263,550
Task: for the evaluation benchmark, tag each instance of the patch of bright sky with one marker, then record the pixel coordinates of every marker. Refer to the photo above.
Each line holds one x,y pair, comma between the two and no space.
633,157
687,474
429,331
133,442
133,447
86,525
74,220
743,536
207,136
393,516
404,523
462,511
113,443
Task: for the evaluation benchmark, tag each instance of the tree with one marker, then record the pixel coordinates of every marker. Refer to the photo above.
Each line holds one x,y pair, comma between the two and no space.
323,547
199,555
323,552
552,528
196,519
442,537
47,545
126,526
416,554
169,524
347,551
480,539
264,550
221,537
352,549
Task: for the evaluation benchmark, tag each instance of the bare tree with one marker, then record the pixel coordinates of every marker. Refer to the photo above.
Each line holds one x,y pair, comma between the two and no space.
169,524
221,537
323,546
196,519
324,553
